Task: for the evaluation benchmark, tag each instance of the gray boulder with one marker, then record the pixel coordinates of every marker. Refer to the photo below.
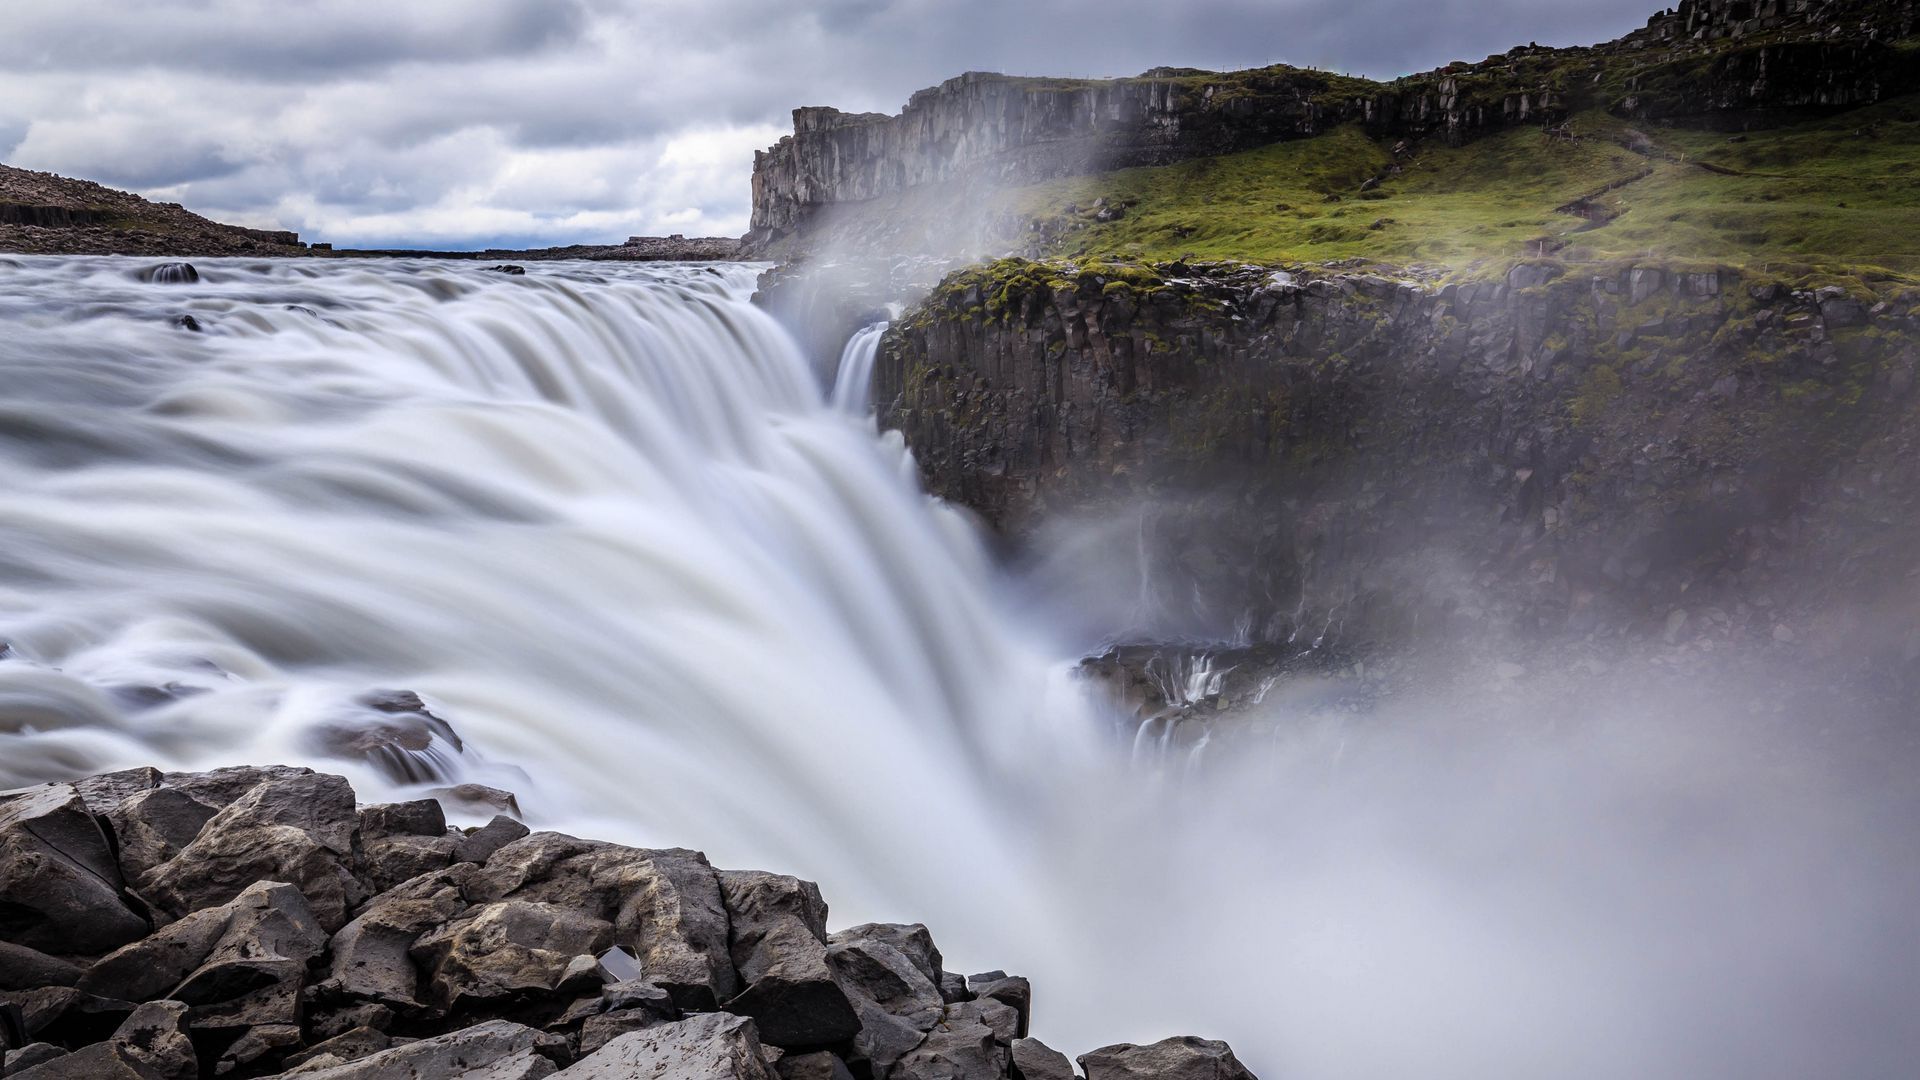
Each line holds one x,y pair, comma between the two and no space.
152,1044
351,1045
421,817
301,829
1181,1058
480,844
712,1046
238,965
19,1061
1010,990
665,906
60,888
104,791
505,949
495,1050
392,860
151,827
779,947
372,955
819,1065
64,1015
221,788
1035,1060
896,1001
963,1049
22,968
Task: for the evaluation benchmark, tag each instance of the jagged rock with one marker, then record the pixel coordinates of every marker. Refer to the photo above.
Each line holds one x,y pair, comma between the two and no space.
478,799
60,888
1010,990
1035,1060
351,1045
258,1047
221,788
819,1065
632,996
298,829
779,947
602,1028
970,1043
1181,1058
895,999
953,987
152,827
495,1050
22,968
173,273
152,1044
19,1061
392,860
712,1046
330,1021
239,965
67,1016
480,844
105,791
507,948
372,955
421,817
664,905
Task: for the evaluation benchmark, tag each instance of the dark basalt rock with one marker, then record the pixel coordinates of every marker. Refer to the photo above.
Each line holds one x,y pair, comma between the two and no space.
60,888
173,273
1182,1058
515,957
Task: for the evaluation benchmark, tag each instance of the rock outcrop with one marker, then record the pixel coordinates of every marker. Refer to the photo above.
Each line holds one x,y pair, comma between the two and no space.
263,939
47,214
1717,63
1561,451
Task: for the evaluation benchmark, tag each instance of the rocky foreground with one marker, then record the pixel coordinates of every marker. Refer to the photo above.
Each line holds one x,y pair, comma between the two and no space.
258,922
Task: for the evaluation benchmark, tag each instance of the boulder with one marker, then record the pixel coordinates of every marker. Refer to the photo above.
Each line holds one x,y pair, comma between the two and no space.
495,1050
819,1065
895,1000
60,888
392,860
1180,1058
480,844
1035,1060
665,906
221,788
712,1046
351,1045
372,955
105,791
421,817
779,947
19,1061
22,968
507,948
152,1044
1010,990
69,1017
964,1050
238,965
151,827
301,829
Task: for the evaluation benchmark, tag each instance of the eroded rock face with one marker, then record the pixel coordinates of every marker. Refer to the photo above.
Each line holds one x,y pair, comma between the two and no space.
520,957
60,888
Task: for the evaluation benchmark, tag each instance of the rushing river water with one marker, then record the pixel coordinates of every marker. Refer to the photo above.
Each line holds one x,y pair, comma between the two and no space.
675,589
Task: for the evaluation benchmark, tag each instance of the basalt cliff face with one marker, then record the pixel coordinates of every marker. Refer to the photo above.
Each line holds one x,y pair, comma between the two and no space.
1727,63
257,922
1563,452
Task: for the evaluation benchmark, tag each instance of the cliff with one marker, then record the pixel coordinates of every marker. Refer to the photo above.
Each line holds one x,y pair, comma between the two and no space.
257,922
1563,452
41,213
1715,63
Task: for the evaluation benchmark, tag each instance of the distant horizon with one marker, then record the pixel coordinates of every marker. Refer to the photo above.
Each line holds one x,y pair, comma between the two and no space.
518,124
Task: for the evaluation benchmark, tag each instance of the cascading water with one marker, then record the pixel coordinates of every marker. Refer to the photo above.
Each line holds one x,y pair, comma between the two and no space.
606,522
853,378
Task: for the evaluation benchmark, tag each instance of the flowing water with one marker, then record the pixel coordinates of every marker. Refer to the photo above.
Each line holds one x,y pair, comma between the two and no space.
672,590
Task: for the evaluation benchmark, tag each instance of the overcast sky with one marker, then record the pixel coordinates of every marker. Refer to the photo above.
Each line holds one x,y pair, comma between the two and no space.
457,123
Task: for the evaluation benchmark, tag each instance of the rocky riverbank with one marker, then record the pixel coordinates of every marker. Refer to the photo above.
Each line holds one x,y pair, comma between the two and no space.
254,922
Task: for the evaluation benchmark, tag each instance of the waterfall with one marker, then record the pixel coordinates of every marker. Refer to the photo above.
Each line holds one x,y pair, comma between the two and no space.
648,573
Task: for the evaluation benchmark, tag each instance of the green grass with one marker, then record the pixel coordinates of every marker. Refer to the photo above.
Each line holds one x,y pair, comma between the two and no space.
1834,198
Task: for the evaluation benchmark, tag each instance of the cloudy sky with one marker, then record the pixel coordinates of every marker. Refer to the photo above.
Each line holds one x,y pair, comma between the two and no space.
458,123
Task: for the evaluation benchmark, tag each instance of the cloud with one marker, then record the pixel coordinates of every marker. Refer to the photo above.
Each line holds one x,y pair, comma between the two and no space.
474,122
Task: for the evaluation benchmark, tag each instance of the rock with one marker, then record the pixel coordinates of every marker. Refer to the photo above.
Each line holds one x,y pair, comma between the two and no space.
478,799
352,1045
238,965
152,1044
60,887
173,273
495,1050
421,817
953,987
392,860
67,1016
1180,1058
599,1030
152,827
964,1047
779,947
107,790
507,268
480,844
221,788
1010,990
815,1066
18,1061
22,968
507,948
665,906
297,829
1035,1060
712,1046
896,1002
259,1047
373,954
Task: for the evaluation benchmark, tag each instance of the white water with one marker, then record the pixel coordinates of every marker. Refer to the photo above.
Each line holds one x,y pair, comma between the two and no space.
674,592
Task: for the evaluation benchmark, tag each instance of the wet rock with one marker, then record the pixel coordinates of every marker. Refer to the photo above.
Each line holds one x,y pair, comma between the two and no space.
238,965
1035,1060
221,788
1181,1058
22,968
372,955
712,1046
297,829
480,844
421,817
478,799
60,887
507,268
779,947
152,827
665,906
507,948
173,273
495,1050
